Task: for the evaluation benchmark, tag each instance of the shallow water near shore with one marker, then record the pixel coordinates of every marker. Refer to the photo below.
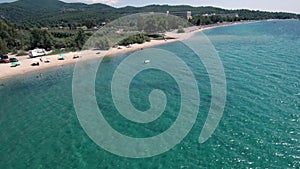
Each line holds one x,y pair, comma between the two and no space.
260,126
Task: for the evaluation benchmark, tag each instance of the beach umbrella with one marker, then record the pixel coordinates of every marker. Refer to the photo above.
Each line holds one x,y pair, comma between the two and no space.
13,64
61,56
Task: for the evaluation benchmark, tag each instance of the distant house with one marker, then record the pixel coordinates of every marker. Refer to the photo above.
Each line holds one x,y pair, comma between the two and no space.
83,28
212,14
187,14
232,15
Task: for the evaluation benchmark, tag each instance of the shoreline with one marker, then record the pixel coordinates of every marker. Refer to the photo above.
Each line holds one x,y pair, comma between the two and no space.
7,72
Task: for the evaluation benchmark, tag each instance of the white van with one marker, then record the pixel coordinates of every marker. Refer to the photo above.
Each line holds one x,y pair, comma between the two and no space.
37,52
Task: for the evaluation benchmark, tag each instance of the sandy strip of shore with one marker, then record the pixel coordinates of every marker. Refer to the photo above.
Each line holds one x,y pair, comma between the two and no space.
6,71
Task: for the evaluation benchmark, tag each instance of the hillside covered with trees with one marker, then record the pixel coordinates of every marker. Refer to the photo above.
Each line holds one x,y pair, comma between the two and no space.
53,24
14,38
53,13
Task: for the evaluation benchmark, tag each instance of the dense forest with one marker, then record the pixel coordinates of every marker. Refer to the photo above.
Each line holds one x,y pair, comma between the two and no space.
53,24
54,13
17,40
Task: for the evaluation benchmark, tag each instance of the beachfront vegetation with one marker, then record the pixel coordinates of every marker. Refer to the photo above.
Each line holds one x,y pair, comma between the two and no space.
239,15
139,38
11,38
15,39
212,19
180,30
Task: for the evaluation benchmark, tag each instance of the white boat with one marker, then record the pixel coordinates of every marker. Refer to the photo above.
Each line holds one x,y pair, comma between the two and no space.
146,61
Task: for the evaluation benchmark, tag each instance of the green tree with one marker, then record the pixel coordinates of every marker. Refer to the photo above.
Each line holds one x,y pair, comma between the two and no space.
8,35
3,47
71,26
102,43
139,38
180,30
141,23
41,38
80,39
89,23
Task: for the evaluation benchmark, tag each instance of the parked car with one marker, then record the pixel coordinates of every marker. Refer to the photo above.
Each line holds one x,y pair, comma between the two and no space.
4,61
3,57
13,60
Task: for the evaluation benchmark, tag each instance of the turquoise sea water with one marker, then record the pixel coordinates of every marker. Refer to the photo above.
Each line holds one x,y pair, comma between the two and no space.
260,126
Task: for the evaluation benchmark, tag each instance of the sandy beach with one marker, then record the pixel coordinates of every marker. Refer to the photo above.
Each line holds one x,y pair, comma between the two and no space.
6,71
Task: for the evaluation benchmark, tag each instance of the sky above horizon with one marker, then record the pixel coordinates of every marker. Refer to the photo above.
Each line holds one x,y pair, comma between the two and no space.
265,5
